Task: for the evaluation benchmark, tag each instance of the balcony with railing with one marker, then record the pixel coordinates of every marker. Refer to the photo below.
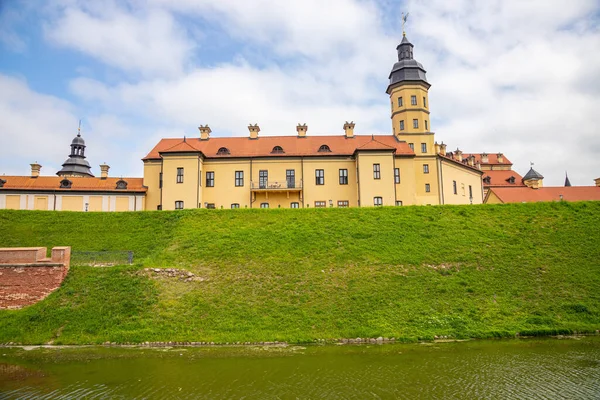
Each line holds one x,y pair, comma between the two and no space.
276,186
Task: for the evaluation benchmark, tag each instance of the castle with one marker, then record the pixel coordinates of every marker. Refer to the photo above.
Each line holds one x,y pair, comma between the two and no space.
406,167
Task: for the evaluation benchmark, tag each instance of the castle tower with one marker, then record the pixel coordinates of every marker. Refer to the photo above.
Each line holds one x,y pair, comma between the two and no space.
76,165
408,91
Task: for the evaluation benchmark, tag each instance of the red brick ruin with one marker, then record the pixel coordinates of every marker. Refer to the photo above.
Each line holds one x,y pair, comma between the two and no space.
28,276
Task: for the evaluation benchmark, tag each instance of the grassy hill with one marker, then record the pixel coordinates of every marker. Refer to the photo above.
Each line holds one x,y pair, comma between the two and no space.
300,275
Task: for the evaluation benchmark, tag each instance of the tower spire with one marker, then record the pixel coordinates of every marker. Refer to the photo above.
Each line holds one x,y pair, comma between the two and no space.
79,129
404,19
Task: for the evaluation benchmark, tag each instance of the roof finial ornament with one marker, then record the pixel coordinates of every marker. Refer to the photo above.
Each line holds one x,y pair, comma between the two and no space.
404,18
79,129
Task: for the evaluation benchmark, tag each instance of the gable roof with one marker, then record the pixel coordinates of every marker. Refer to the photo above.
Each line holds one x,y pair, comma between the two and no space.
375,145
293,146
52,183
500,178
529,195
181,147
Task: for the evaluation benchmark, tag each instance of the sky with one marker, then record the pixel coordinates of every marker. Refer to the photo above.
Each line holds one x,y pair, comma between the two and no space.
521,77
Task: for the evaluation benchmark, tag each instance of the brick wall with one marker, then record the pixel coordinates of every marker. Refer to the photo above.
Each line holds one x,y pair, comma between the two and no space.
27,276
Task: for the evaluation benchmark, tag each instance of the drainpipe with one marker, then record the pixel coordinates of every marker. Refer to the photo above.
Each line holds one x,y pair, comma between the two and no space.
441,180
302,177
358,179
163,183
250,182
198,189
394,179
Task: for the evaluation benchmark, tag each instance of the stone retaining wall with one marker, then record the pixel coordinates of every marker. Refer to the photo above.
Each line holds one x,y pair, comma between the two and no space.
27,276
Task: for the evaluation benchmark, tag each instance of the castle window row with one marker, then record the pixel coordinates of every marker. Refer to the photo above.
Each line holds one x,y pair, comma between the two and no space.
415,124
413,101
263,177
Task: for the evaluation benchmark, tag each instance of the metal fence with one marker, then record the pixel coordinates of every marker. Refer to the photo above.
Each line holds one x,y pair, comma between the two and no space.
101,258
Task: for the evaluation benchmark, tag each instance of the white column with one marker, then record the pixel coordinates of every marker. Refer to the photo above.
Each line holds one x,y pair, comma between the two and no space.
23,202
30,200
2,201
113,203
105,203
140,203
59,202
132,203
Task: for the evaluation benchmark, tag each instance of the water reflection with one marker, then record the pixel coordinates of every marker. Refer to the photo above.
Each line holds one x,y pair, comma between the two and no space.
534,369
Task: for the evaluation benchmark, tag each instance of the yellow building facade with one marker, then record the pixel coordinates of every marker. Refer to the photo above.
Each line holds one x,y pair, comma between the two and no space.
74,189
403,167
406,167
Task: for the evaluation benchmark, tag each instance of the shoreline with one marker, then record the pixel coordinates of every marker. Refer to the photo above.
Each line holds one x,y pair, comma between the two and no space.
319,342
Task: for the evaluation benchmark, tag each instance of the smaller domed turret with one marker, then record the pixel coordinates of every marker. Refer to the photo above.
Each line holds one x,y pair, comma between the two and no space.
76,165
407,69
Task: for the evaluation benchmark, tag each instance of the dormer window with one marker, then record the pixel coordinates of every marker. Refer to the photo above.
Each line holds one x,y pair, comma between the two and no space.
121,184
487,180
66,184
324,149
2,182
277,150
511,180
223,151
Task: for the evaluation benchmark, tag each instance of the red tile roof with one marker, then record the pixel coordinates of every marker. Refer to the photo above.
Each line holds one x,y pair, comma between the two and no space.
46,183
528,195
293,146
492,159
501,177
463,163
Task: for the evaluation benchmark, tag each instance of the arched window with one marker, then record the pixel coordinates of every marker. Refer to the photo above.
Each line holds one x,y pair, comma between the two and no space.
511,179
324,149
487,180
2,182
223,151
65,184
277,150
121,184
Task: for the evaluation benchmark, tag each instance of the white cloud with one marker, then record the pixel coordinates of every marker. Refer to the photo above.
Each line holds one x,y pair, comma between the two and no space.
34,127
517,77
146,40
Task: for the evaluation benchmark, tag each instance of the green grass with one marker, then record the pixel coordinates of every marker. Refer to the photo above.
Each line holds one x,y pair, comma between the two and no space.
298,275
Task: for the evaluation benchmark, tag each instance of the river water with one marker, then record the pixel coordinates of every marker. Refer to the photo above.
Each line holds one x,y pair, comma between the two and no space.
503,369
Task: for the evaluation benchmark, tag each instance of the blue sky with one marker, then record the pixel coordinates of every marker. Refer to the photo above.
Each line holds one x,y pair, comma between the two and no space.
518,77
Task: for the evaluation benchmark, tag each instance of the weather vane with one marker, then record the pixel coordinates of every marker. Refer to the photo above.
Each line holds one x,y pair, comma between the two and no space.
79,129
404,18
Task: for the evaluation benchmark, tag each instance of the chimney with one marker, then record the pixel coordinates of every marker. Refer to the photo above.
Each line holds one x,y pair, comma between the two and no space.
471,160
484,158
443,149
458,155
35,169
437,147
254,129
301,129
204,132
500,158
349,129
478,165
597,182
104,171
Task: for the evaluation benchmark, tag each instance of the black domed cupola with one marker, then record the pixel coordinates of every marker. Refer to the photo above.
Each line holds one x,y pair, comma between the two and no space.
407,69
76,165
